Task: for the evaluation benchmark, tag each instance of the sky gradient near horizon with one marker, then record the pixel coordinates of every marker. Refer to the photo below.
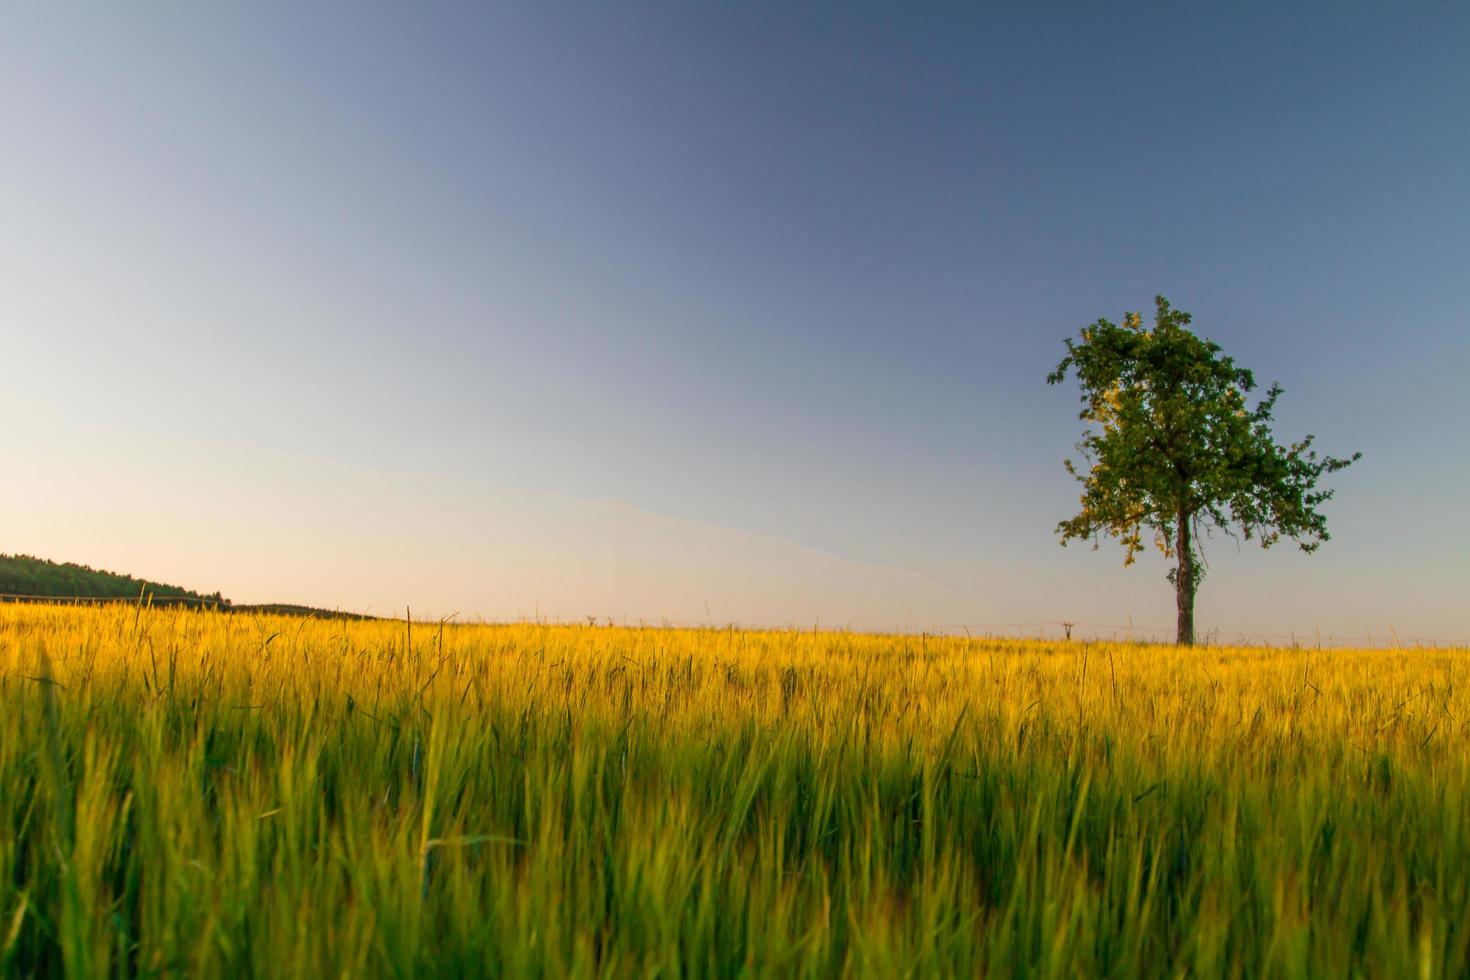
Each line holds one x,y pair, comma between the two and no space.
714,312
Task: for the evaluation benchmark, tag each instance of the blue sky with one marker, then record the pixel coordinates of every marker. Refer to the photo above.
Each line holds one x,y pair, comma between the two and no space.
769,274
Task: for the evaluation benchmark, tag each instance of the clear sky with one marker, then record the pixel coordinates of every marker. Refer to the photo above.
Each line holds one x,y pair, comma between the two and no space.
705,312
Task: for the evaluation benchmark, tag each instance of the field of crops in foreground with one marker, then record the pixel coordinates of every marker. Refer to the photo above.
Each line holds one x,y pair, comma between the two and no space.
207,794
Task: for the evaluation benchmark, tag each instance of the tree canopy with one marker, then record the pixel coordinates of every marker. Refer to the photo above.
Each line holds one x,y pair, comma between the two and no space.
1177,450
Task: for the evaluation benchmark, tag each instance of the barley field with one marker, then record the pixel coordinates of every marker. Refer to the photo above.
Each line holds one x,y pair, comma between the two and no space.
207,794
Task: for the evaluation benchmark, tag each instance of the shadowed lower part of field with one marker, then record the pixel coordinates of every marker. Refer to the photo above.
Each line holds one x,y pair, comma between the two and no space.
211,795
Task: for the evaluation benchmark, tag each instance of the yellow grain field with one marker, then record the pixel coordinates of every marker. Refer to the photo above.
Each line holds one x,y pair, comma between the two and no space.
212,794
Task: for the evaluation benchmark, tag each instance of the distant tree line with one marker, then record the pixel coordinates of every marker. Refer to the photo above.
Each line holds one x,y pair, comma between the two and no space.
25,575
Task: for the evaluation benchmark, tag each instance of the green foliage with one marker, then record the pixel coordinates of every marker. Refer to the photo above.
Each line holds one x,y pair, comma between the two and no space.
27,576
1177,447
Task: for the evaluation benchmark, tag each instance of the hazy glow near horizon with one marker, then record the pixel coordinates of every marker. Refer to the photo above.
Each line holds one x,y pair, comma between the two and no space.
718,315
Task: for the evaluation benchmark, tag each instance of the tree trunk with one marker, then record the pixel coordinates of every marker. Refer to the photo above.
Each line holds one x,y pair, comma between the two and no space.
1184,582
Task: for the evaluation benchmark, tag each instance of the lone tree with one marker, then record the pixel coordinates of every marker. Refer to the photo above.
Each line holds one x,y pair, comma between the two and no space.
1177,450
